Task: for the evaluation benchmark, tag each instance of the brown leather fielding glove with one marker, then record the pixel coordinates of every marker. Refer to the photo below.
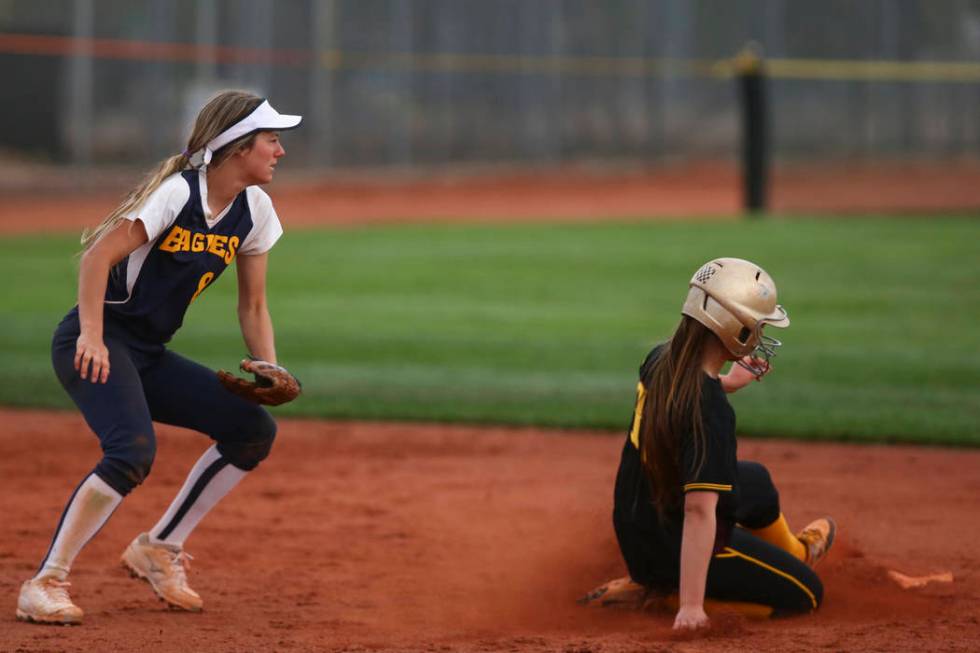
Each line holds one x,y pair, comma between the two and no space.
273,384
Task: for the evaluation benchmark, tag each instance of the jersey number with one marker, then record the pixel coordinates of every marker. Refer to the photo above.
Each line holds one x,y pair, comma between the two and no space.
205,279
641,397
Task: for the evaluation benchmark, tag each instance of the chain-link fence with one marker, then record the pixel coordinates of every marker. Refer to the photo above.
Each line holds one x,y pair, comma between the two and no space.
435,82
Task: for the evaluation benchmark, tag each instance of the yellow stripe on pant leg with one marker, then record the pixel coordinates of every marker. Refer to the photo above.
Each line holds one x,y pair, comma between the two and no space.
732,553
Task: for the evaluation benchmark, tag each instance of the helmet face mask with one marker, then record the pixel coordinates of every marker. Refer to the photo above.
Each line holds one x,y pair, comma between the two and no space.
735,299
763,352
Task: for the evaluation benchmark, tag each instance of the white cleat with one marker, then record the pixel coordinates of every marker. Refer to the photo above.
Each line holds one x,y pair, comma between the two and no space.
164,567
45,600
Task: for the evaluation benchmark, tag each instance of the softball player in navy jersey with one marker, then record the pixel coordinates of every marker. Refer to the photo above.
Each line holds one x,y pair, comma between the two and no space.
141,269
689,516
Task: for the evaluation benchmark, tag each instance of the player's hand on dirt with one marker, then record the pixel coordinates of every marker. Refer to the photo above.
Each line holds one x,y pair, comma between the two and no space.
691,618
273,383
738,377
92,359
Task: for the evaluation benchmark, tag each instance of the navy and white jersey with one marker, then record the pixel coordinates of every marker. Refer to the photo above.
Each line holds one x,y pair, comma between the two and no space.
188,248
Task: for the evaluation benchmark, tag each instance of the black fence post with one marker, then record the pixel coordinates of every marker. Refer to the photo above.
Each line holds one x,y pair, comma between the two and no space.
751,76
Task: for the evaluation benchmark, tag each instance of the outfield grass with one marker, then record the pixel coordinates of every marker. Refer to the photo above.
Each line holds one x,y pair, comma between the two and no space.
546,324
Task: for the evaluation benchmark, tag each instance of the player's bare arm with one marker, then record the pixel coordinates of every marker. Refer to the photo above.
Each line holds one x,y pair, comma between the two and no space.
740,376
91,352
696,544
253,309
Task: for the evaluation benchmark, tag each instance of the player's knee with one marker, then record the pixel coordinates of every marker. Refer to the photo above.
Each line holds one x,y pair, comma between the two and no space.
758,497
769,491
246,455
814,597
125,467
807,597
817,589
754,473
253,446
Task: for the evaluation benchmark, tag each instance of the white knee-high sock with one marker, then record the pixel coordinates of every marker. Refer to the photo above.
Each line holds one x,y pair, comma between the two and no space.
91,505
209,481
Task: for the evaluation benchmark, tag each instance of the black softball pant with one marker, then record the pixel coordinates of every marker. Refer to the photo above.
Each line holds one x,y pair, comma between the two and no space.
147,382
752,570
748,569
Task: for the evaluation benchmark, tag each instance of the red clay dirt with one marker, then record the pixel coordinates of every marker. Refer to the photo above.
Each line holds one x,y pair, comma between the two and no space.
366,536
396,537
44,200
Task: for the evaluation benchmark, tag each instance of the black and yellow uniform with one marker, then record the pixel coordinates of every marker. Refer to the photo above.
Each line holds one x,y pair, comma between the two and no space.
743,567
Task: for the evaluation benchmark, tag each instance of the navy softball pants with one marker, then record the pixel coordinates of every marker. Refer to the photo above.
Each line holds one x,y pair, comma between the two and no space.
147,382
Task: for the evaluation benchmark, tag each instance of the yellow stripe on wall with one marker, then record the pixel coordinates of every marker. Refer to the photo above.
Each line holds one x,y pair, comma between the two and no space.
878,71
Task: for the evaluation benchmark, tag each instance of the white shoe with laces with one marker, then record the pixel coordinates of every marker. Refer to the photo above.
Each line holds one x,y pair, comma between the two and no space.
45,600
164,567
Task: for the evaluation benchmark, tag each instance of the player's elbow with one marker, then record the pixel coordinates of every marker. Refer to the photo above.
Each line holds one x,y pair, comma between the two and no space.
250,308
94,259
700,506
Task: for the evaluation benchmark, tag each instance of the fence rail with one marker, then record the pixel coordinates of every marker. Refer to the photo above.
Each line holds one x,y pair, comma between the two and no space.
436,82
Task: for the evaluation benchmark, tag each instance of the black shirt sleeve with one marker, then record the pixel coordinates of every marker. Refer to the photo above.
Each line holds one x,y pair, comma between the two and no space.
714,469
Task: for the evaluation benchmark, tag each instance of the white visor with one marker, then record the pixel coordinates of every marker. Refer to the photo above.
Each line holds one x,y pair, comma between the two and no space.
263,118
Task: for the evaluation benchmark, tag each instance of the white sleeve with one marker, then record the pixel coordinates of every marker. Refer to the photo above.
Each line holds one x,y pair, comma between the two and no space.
265,223
162,206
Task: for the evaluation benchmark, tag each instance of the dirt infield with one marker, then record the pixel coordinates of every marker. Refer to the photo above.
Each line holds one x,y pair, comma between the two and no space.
363,537
358,537
51,200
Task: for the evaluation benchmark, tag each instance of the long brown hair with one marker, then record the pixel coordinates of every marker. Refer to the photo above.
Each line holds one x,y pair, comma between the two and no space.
220,113
672,409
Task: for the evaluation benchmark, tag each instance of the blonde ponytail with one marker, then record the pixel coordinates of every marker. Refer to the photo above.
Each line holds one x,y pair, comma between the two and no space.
222,111
135,199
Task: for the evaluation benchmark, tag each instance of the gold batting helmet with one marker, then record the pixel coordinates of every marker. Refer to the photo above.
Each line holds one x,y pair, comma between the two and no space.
735,299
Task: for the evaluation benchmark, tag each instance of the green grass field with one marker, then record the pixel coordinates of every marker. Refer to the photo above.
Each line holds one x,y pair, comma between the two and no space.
546,324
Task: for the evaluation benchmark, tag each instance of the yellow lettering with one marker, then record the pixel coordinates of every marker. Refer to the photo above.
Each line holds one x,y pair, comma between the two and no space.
172,242
184,240
232,248
217,246
205,279
197,242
